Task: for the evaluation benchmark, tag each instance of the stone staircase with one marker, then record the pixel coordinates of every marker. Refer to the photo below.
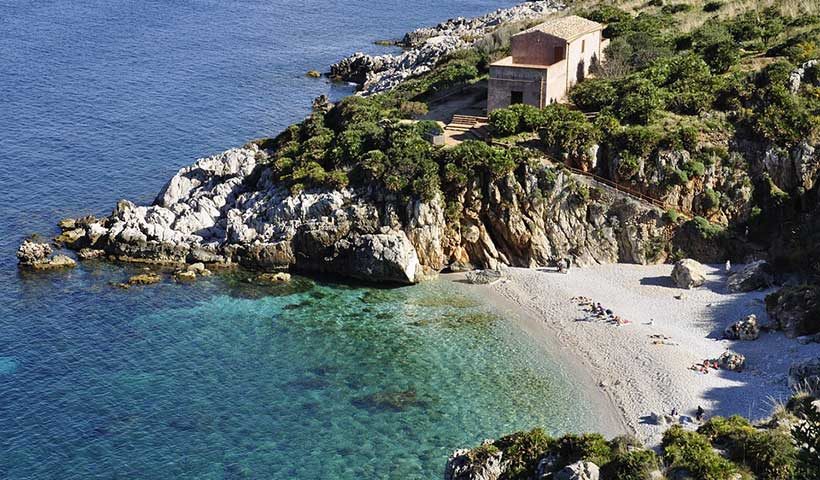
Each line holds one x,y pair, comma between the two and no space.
473,125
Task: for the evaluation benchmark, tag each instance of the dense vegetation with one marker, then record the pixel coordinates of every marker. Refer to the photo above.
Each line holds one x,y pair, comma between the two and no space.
784,449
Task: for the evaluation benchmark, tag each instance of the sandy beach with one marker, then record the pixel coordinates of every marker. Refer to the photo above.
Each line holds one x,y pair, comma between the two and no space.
638,371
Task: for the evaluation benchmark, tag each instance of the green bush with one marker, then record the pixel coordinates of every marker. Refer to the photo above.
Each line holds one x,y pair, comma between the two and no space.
676,8
713,6
677,177
692,452
634,465
706,229
711,199
522,451
410,109
530,118
504,122
716,45
769,454
567,132
639,100
591,447
594,94
694,168
807,436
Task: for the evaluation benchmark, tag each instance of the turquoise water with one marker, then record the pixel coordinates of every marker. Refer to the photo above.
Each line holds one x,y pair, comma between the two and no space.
225,379
101,100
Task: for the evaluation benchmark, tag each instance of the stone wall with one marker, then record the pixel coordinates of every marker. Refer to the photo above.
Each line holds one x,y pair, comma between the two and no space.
505,80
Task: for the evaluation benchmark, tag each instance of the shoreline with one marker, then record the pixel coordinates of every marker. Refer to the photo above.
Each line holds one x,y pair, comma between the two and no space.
621,364
610,420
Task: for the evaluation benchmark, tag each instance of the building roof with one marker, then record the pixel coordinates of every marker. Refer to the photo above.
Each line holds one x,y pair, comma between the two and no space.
567,28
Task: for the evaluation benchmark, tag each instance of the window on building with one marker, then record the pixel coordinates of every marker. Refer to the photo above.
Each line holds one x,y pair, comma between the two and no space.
558,53
516,97
583,45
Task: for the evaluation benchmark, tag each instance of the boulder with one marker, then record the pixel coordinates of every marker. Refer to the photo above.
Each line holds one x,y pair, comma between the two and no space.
70,238
745,329
547,466
185,276
90,253
482,463
730,360
795,310
484,277
688,273
805,375
279,277
38,256
578,471
753,276
31,252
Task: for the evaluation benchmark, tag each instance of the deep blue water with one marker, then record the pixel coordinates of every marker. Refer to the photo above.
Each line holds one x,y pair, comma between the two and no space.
106,99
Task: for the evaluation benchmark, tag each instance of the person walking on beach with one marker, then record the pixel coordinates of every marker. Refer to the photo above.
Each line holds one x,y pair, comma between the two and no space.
699,413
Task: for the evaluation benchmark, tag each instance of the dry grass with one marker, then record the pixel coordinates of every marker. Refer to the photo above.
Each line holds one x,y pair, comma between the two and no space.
688,21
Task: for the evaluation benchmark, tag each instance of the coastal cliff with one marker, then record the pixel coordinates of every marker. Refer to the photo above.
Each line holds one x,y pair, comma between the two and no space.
227,209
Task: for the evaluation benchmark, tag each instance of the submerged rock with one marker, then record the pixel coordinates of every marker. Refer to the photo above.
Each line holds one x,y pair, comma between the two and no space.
688,273
147,278
745,329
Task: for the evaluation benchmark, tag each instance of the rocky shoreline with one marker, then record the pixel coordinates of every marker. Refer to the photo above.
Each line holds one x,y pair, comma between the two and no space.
425,47
226,210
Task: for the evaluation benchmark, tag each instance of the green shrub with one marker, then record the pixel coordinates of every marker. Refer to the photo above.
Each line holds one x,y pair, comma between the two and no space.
634,465
676,8
594,94
716,45
591,447
504,122
412,109
628,166
769,454
677,177
692,452
639,100
671,216
711,199
567,132
530,118
713,6
522,451
706,229
807,436
694,168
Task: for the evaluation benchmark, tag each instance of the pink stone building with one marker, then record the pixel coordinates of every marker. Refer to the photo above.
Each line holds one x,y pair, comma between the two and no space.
546,61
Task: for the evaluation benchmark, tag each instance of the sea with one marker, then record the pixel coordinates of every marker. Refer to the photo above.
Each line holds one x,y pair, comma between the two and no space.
223,379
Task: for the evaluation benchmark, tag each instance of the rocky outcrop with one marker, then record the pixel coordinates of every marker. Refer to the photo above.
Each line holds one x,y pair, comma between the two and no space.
805,375
795,310
688,273
753,276
483,463
425,47
582,470
40,256
745,329
227,209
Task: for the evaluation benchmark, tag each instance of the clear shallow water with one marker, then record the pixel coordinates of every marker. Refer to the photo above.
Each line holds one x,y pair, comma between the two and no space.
101,100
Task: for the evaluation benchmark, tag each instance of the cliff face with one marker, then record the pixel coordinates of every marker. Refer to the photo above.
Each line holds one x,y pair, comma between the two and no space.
226,209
